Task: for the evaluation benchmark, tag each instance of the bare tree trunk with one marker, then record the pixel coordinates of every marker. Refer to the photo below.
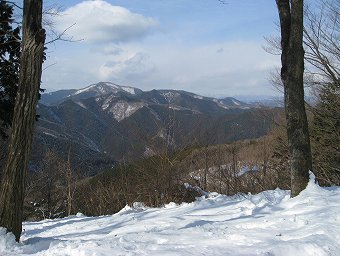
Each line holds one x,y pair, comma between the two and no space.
71,183
292,58
205,184
13,187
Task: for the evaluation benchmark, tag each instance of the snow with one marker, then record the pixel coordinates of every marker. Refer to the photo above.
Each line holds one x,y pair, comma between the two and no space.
112,85
236,102
105,88
174,107
220,104
170,96
268,224
246,168
84,89
50,134
108,101
198,97
122,109
80,104
130,90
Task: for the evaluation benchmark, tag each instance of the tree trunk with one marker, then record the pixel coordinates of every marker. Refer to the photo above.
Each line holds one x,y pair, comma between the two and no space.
13,187
292,58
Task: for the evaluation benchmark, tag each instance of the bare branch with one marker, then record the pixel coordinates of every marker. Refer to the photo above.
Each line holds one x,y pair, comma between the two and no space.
222,2
16,5
60,37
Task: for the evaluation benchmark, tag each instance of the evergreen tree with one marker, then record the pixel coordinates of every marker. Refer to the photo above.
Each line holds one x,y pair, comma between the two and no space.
325,135
10,42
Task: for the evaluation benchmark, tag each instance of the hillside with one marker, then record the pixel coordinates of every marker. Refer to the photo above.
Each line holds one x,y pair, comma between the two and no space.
269,223
104,123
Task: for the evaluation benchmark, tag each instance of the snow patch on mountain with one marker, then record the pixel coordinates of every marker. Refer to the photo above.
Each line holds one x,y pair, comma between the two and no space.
50,134
122,109
83,90
174,107
170,96
80,104
198,97
237,103
220,104
103,88
223,106
130,90
107,101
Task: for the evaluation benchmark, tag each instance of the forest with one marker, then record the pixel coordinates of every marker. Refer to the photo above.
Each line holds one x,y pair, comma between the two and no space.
107,149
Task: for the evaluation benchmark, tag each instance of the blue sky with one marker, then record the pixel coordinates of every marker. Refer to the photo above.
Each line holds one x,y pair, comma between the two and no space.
201,46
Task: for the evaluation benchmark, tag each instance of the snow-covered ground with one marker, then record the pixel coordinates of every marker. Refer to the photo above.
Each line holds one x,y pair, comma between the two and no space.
269,223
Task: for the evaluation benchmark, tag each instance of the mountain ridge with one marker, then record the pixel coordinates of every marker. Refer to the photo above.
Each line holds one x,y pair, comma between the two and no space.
110,122
104,88
122,101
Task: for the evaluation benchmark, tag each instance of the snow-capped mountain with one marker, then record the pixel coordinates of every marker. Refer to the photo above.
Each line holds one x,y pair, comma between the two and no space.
103,88
106,121
120,109
93,90
123,101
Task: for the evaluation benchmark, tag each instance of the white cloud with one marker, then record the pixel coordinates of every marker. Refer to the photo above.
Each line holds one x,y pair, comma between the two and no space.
127,66
242,67
178,54
100,22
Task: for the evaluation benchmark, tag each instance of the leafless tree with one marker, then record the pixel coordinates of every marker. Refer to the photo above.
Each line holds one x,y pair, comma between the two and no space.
321,41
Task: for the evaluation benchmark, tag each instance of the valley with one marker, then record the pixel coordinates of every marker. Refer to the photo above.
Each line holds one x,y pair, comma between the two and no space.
105,123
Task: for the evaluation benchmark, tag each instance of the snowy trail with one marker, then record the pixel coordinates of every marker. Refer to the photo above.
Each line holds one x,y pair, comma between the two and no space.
269,223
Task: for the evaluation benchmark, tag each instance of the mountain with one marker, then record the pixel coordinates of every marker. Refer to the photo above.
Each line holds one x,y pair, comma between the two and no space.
262,100
93,90
55,97
271,101
105,122
110,92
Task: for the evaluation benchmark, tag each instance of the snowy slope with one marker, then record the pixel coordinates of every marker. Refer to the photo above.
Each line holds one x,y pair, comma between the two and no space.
102,88
122,109
269,223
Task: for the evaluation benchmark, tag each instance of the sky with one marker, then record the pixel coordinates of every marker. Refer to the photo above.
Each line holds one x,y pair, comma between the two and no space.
201,46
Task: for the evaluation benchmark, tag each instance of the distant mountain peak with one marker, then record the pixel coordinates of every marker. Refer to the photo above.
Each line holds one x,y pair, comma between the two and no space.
106,120
103,88
230,101
111,96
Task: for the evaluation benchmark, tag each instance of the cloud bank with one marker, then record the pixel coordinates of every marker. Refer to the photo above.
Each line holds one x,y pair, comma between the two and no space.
100,22
240,67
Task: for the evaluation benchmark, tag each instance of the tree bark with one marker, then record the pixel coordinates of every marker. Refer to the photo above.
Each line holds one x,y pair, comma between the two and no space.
292,59
13,186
